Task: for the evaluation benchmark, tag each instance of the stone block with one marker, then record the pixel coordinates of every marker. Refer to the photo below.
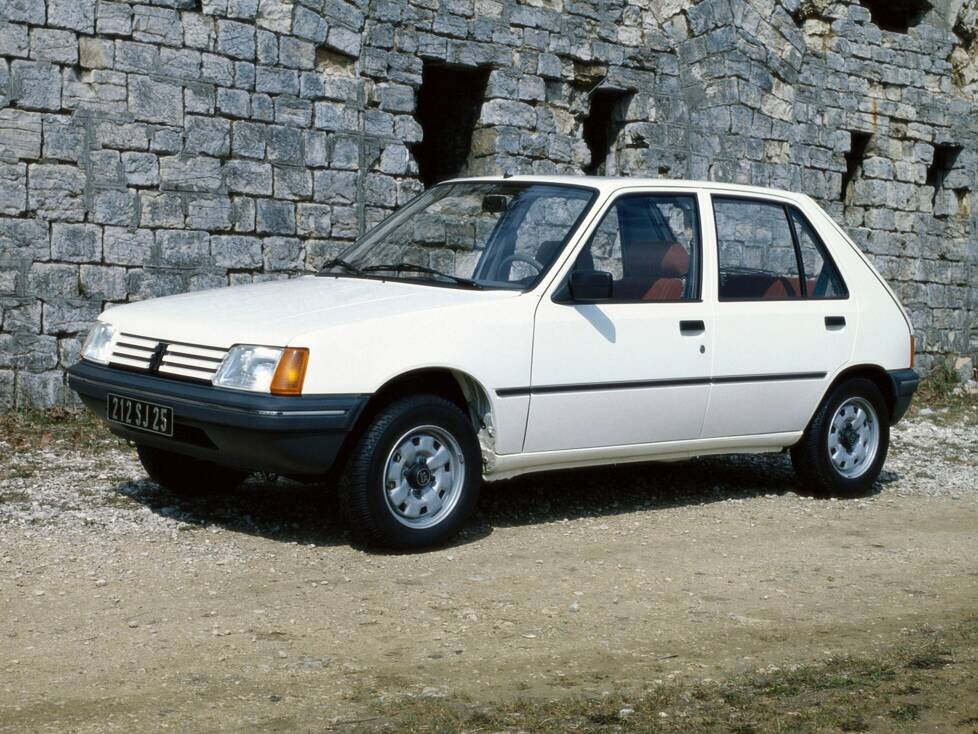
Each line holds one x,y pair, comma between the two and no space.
140,169
235,39
56,192
103,282
211,136
35,85
313,220
157,25
248,177
236,251
20,134
26,351
64,317
13,188
112,17
78,15
155,101
292,182
114,207
190,173
274,217
24,239
160,209
23,11
95,53
52,280
183,248
283,253
41,389
125,246
212,213
76,242
51,44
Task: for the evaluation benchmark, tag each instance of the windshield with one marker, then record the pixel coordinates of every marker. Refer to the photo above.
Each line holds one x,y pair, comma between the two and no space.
492,234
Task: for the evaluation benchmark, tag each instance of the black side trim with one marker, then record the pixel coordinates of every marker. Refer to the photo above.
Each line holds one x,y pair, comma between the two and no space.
508,392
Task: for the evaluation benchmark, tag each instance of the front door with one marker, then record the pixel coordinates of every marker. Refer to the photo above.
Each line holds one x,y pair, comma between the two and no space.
633,368
785,323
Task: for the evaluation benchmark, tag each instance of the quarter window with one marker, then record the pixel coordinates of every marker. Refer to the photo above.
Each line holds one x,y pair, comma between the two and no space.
768,251
651,246
822,280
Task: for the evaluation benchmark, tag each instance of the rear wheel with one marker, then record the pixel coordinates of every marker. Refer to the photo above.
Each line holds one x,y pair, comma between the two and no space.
185,476
844,447
413,478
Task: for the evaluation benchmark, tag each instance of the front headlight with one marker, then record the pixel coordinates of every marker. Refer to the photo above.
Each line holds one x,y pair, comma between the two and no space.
248,367
98,343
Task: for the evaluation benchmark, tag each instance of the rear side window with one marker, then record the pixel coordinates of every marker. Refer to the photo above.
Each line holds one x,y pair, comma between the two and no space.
650,243
822,280
769,252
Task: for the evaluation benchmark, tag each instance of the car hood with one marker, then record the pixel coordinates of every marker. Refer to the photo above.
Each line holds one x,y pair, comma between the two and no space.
276,312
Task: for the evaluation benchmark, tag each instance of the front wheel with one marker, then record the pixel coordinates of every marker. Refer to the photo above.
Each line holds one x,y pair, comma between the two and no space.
842,451
413,478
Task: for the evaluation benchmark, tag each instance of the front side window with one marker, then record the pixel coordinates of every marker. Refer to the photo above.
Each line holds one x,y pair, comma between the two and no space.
650,243
495,234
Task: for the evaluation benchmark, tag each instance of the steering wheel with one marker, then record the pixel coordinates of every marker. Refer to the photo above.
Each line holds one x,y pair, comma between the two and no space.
519,257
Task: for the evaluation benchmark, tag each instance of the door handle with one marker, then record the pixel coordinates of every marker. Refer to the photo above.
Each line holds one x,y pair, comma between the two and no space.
835,322
691,327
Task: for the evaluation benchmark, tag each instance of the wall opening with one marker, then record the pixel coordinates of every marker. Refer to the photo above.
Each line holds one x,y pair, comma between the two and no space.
898,16
945,156
602,126
449,104
859,144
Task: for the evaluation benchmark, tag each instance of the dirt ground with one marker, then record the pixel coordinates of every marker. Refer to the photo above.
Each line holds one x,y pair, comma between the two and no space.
126,609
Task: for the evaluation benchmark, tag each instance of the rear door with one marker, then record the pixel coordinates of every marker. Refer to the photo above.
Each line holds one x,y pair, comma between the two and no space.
633,368
784,319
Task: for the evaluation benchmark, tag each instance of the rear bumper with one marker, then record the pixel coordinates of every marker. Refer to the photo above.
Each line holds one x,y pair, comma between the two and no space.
905,384
286,435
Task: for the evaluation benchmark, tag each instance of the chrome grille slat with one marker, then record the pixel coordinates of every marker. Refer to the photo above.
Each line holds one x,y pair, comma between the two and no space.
179,360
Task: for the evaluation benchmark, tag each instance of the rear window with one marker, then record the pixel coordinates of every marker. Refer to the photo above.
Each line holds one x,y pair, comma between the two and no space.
769,252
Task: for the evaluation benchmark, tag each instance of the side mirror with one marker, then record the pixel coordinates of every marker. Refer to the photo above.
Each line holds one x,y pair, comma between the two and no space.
590,285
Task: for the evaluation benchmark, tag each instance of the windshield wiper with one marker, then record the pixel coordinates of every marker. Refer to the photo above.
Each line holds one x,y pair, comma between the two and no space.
338,262
412,268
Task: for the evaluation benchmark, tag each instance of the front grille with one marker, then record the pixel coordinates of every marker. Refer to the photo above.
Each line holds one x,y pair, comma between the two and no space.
173,359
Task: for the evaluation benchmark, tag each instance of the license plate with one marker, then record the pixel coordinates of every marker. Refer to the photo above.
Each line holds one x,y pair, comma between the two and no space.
139,414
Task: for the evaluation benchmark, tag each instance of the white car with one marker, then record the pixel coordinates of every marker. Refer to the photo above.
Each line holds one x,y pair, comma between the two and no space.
498,326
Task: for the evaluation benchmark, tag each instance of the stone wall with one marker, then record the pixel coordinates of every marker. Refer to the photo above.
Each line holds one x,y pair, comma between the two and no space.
150,147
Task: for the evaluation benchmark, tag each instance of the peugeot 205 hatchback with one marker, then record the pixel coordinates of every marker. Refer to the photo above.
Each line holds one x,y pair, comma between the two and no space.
499,326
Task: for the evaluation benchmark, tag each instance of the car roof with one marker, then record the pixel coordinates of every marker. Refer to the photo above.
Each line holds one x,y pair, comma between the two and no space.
608,184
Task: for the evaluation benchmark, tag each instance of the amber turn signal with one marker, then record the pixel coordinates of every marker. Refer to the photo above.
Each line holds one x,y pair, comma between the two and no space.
913,351
290,373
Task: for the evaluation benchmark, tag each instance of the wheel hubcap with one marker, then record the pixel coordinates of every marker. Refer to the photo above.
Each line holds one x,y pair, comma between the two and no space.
854,436
423,476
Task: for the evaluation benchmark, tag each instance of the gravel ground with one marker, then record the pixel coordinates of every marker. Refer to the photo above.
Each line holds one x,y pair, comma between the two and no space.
129,609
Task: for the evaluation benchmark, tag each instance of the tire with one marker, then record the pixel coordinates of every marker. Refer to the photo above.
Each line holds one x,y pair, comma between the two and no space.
839,455
185,476
387,488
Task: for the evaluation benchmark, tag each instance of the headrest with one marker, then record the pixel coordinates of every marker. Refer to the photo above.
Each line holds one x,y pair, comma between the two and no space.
547,251
675,262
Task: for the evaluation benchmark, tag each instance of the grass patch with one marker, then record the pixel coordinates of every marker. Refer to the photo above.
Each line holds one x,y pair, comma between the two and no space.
848,694
30,429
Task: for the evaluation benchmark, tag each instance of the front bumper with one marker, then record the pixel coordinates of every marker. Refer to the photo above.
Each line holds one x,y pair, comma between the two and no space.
285,435
905,384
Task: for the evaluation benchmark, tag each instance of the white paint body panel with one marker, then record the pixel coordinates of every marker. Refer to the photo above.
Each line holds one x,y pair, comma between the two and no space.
363,333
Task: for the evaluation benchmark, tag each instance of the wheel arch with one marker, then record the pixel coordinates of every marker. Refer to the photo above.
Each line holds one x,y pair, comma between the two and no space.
454,385
875,374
